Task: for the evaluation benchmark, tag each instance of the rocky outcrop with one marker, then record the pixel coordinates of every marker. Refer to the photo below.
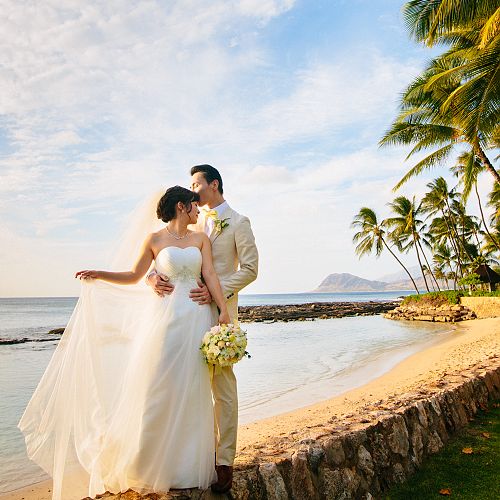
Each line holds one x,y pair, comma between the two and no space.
364,456
422,312
313,310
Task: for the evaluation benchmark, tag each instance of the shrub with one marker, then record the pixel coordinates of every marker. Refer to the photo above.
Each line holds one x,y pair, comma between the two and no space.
435,298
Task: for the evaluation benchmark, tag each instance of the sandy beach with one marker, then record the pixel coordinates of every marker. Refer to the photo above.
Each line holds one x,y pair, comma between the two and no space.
472,343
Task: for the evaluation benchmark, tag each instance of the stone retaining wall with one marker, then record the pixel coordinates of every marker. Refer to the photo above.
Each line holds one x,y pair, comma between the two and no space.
414,311
363,459
483,307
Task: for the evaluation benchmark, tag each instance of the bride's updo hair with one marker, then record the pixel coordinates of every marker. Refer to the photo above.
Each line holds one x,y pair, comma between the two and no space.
166,206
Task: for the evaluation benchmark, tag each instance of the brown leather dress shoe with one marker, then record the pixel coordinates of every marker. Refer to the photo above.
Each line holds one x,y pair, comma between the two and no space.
224,479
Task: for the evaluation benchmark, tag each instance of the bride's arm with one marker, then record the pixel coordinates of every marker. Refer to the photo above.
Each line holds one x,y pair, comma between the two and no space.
212,280
126,277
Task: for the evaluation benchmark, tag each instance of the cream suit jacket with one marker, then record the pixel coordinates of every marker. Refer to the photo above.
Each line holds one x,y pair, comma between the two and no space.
235,255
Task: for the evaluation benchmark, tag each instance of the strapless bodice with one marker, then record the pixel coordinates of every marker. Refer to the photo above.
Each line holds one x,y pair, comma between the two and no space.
179,264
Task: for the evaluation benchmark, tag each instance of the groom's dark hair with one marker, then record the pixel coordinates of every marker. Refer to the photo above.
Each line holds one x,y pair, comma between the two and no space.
210,173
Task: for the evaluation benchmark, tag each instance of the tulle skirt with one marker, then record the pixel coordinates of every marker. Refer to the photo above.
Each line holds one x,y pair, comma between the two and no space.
125,402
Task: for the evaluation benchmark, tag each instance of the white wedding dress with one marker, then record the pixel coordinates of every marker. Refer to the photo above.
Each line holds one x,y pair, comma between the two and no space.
125,401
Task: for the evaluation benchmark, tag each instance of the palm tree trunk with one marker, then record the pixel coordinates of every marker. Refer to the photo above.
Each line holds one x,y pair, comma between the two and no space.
450,231
482,217
428,266
457,238
402,265
485,161
420,262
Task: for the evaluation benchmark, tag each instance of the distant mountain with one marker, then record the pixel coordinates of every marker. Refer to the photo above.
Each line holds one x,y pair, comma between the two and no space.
345,282
400,275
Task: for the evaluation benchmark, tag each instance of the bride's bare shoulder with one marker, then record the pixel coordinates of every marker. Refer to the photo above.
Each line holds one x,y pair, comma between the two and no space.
156,236
200,236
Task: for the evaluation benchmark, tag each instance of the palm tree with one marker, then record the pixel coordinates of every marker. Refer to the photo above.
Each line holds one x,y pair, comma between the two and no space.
489,248
405,228
371,235
468,168
424,124
440,236
457,98
437,200
494,203
428,21
443,259
465,227
471,28
441,275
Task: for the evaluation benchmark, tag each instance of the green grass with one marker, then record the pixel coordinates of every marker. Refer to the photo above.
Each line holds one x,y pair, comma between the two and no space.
475,476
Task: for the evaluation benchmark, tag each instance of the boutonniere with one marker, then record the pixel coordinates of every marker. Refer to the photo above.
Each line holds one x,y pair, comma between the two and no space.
219,224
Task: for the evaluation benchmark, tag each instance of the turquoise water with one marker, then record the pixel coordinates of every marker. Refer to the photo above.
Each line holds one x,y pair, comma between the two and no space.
292,365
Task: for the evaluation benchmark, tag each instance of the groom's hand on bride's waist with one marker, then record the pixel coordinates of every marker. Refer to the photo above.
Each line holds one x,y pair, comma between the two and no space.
201,295
160,284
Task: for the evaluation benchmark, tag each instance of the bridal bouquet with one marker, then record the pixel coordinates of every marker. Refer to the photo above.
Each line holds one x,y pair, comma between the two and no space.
224,345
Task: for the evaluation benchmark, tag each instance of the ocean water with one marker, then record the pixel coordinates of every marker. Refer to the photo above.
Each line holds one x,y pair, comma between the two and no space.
292,365
33,317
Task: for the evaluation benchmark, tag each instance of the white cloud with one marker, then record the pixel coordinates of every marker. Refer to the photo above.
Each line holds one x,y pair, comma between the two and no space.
266,9
106,101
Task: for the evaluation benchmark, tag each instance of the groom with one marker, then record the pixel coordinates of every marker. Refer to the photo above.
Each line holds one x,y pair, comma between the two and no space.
235,260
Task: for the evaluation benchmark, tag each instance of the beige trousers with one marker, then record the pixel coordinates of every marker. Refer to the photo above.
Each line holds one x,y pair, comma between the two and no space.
225,394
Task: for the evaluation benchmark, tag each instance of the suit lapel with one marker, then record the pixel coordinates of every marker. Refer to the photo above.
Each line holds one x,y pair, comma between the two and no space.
228,214
214,235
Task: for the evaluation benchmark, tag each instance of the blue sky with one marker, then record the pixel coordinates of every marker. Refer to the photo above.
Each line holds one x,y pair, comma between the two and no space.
104,102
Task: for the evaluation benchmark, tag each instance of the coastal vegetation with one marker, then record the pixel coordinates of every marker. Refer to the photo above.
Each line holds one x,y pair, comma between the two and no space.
434,298
446,297
450,114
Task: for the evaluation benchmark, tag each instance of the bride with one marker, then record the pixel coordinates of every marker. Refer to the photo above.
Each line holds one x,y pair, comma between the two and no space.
125,402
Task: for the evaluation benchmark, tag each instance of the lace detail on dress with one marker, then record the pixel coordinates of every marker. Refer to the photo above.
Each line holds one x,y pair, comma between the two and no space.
185,273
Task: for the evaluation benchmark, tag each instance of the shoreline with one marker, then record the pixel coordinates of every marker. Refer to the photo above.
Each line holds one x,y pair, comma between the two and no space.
418,374
345,380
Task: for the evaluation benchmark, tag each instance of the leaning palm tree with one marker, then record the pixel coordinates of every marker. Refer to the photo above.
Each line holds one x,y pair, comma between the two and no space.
423,123
471,28
371,236
405,227
457,98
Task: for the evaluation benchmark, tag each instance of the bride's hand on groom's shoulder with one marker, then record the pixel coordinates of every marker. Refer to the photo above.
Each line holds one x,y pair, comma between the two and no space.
88,275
